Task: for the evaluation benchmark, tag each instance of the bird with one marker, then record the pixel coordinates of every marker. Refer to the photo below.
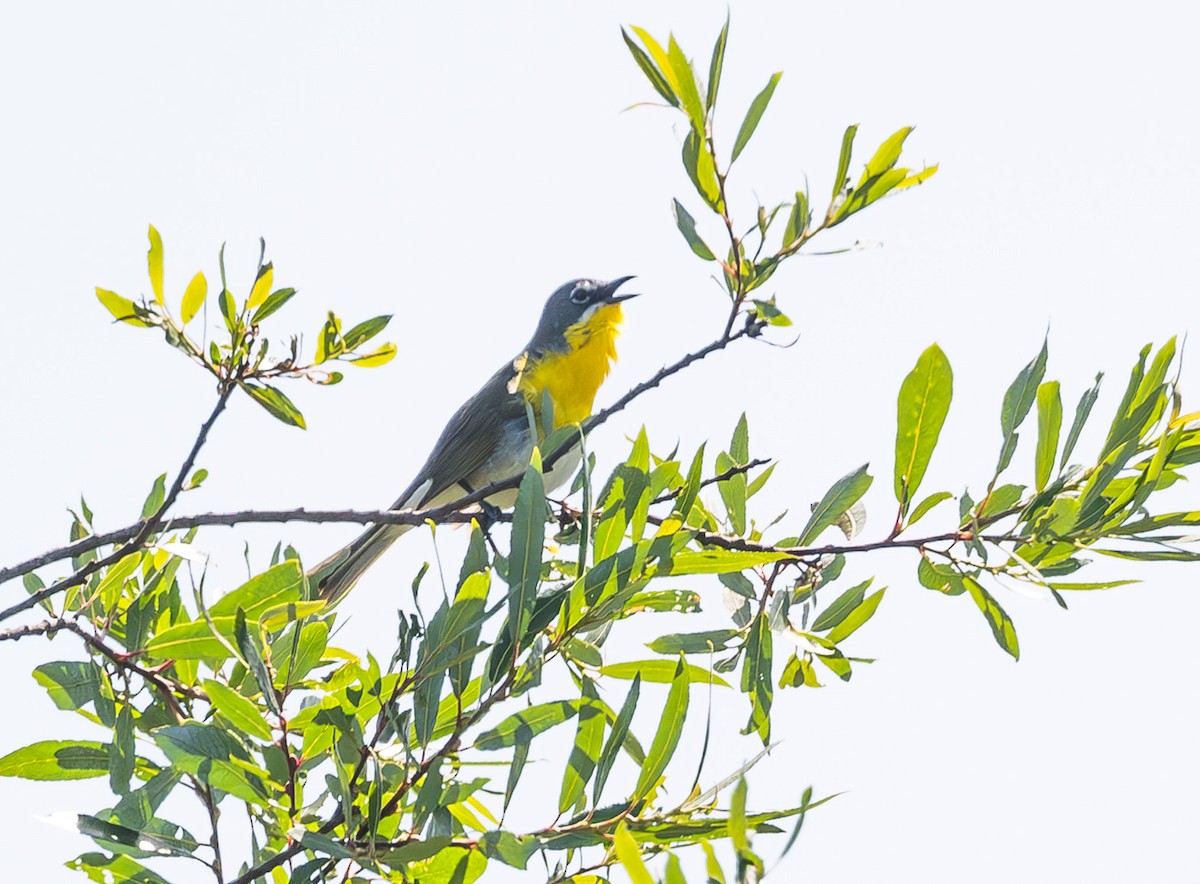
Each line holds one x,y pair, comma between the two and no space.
491,437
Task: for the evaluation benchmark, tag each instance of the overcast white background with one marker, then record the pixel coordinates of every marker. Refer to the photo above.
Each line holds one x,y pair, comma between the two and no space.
453,163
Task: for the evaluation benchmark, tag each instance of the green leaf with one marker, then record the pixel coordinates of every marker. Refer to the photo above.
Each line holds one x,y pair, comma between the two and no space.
756,678
616,738
525,555
666,737
122,753
1049,404
214,757
193,298
922,406
121,308
1018,399
251,652
276,403
1082,411
998,620
841,607
684,80
927,504
845,492
798,220
687,226
657,80
589,738
523,726
229,311
630,856
376,358
156,497
516,767
118,869
698,163
661,672
274,302
262,286
364,331
857,617
71,684
154,260
693,643
716,64
510,849
721,561
57,760
239,711
691,487
886,156
276,586
753,115
839,181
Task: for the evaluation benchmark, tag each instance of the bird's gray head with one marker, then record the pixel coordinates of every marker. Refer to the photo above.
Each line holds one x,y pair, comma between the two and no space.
574,302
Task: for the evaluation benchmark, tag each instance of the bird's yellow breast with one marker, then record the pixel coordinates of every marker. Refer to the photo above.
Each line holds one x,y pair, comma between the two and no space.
572,377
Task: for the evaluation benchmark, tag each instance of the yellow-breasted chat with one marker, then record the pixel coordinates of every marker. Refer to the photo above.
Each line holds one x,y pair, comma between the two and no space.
491,438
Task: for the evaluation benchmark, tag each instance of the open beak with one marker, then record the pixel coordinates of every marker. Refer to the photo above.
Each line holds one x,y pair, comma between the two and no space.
610,291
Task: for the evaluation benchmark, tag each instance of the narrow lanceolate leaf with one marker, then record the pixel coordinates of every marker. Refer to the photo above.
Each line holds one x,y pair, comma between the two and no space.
1049,404
237,710
262,286
589,737
845,492
921,410
666,737
527,724
525,557
248,646
616,738
154,260
886,156
121,308
276,403
997,618
714,66
1018,399
274,302
756,678
193,298
630,856
698,163
687,226
57,760
754,114
1082,411
856,618
364,331
839,181
927,504
653,74
684,81
661,672
375,358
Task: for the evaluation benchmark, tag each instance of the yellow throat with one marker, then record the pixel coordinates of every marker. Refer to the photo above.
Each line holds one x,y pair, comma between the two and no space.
573,377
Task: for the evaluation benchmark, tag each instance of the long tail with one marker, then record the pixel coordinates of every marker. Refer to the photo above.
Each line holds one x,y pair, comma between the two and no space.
337,575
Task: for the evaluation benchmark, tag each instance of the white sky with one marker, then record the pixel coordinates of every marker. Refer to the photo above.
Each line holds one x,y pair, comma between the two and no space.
453,163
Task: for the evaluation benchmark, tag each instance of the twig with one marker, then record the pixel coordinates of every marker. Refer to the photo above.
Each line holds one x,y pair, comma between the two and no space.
123,661
147,527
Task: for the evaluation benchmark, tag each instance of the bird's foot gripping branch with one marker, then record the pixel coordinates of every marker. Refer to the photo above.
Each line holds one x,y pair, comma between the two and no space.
344,766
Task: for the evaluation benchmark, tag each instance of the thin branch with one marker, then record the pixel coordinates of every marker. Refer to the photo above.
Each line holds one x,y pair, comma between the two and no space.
147,527
165,687
448,513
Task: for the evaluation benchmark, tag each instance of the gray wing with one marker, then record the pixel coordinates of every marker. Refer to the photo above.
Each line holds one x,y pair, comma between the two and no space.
469,439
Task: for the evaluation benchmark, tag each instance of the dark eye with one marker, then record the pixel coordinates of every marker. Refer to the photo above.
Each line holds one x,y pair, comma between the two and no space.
579,295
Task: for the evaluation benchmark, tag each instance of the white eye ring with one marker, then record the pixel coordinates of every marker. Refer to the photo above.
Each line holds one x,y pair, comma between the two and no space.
579,295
